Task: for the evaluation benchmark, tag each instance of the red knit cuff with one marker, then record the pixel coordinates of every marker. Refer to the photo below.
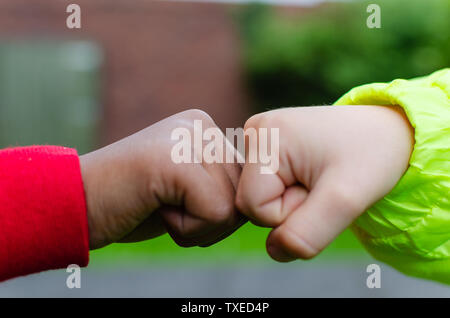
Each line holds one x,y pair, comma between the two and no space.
43,221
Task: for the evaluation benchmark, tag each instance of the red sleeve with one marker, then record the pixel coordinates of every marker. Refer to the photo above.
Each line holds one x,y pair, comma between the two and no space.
43,221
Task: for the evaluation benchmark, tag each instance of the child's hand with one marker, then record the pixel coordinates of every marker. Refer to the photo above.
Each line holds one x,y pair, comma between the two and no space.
335,162
135,192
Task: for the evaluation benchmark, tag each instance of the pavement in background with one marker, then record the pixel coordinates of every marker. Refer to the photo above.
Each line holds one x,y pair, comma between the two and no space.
310,279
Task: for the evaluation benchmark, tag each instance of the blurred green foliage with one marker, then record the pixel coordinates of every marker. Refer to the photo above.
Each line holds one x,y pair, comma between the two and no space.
246,245
314,57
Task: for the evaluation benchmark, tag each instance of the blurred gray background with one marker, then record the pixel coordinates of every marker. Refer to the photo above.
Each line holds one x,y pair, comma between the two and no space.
237,279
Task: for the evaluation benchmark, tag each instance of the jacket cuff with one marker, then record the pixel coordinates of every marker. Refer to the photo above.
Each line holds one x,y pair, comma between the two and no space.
43,221
410,227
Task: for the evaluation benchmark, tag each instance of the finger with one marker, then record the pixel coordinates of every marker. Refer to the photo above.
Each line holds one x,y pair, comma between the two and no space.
267,199
187,230
326,212
208,203
182,224
206,193
208,239
150,228
241,220
259,195
201,232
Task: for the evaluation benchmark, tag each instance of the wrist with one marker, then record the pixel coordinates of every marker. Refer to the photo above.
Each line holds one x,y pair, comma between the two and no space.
92,208
404,132
116,193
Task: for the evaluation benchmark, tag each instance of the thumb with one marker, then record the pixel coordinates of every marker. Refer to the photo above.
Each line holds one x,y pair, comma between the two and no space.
328,209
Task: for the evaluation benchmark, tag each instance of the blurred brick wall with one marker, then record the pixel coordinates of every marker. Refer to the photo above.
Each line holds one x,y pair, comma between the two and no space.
160,57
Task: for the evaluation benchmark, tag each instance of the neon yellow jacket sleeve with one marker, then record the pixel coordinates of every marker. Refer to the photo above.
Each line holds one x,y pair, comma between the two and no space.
409,228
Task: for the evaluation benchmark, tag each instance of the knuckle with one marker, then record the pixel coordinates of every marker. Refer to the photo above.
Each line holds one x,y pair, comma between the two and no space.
270,119
198,114
222,212
253,122
187,118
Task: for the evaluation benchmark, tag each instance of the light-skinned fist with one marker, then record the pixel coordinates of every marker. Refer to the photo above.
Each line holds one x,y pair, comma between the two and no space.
335,162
